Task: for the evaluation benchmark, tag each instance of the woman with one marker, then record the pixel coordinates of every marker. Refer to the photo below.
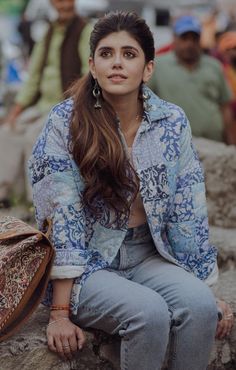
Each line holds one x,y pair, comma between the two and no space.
115,171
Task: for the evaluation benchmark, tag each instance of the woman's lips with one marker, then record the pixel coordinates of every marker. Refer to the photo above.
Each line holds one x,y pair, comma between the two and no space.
117,77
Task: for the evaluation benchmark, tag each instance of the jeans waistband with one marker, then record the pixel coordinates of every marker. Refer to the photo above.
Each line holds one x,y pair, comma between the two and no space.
137,232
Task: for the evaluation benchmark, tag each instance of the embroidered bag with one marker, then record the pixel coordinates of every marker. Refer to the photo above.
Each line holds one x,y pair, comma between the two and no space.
26,257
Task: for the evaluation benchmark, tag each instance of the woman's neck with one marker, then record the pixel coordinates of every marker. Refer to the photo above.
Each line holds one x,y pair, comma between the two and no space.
129,111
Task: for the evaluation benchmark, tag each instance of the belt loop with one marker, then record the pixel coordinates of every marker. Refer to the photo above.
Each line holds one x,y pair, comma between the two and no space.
130,233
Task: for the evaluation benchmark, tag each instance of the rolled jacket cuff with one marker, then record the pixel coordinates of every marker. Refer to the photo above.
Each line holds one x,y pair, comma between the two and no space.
213,277
66,272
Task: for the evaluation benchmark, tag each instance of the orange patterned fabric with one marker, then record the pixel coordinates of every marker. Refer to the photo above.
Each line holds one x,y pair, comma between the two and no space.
25,261
227,41
230,73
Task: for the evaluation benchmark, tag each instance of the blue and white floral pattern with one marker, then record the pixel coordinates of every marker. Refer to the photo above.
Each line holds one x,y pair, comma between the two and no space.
47,165
153,183
171,186
183,208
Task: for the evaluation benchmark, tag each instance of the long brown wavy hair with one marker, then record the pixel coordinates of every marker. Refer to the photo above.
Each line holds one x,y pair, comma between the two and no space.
96,143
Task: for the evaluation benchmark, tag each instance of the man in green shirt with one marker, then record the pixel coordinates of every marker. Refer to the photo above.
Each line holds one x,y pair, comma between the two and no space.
194,81
56,61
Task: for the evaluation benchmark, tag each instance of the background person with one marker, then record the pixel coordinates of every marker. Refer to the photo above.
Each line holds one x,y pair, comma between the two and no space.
227,51
59,58
115,170
194,81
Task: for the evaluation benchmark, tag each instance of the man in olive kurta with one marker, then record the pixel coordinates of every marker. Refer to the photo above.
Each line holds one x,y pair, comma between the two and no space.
57,60
194,81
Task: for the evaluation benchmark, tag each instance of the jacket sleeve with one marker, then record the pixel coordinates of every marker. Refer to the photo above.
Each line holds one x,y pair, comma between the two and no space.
57,194
187,227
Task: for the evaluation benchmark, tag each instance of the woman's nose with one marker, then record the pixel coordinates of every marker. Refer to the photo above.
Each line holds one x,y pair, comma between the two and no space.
117,61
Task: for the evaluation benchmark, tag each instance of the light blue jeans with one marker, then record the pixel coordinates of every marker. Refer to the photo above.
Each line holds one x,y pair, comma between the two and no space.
150,302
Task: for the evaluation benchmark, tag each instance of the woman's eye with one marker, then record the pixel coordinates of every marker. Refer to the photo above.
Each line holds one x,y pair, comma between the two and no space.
105,54
129,54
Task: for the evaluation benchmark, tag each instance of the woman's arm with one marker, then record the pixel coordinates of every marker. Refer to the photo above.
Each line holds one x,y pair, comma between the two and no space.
189,212
61,291
57,197
63,336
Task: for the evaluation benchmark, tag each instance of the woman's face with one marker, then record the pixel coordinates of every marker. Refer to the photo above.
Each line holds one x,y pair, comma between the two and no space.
119,65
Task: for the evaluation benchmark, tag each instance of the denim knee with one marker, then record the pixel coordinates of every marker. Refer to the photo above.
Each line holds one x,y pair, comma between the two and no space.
206,308
205,303
152,317
199,305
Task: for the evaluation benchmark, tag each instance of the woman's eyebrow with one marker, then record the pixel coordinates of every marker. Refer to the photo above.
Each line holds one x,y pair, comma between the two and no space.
105,48
130,48
123,47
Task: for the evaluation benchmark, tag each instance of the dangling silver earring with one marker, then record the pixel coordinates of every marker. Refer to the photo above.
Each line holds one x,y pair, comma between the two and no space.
146,96
97,95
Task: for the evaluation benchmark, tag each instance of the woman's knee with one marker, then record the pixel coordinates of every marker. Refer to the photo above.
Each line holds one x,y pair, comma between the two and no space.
153,314
205,302
198,304
206,308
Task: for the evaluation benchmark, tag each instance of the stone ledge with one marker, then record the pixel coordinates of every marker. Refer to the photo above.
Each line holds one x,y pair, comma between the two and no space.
219,162
225,241
27,350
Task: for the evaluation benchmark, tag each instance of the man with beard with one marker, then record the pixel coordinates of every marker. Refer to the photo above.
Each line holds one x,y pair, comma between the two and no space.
194,81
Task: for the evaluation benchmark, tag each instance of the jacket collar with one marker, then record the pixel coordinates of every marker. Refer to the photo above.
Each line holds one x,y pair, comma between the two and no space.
155,108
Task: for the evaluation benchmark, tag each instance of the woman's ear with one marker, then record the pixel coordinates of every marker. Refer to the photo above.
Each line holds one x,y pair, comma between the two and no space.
92,67
148,70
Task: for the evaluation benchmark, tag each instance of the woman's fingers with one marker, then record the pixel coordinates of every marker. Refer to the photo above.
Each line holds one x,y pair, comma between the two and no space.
67,342
51,344
73,343
225,325
59,348
222,330
67,350
80,337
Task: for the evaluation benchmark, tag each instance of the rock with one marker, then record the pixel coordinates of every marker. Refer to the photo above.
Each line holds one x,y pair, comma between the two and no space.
27,350
219,162
225,241
20,211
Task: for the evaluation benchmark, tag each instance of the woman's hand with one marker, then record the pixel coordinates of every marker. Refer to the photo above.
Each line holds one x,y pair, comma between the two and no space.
226,323
64,337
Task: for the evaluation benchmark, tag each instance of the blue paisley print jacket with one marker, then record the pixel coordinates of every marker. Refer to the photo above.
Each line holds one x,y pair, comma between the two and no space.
171,187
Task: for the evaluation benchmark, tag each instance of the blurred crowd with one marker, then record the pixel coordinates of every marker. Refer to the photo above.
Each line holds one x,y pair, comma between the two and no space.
48,49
